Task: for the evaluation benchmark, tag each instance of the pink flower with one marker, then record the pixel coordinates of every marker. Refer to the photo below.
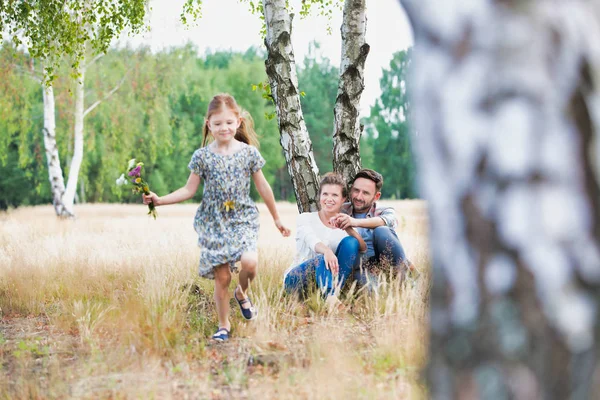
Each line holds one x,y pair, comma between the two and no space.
136,171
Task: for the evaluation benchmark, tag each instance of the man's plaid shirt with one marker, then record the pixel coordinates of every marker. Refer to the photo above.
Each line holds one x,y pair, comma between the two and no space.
387,214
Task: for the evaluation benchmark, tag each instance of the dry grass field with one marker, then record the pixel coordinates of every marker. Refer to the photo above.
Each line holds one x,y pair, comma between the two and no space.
109,305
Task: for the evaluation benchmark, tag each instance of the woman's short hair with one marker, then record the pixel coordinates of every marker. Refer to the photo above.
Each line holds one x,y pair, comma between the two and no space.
332,178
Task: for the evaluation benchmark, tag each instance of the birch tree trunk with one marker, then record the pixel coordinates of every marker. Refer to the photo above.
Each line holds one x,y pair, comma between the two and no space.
347,126
281,70
69,196
506,108
57,183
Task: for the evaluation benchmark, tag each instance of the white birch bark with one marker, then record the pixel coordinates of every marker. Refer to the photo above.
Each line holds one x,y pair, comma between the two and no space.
71,190
281,70
347,126
55,175
506,107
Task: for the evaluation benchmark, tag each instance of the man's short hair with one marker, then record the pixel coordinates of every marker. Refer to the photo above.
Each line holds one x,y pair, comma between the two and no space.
371,175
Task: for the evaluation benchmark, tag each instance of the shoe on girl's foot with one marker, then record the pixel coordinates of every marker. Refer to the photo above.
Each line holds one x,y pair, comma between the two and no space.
249,313
221,335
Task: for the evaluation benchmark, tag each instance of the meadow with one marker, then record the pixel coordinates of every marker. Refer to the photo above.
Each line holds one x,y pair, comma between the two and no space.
109,305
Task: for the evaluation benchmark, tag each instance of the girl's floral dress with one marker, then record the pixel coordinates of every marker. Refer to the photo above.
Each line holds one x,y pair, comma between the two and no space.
227,219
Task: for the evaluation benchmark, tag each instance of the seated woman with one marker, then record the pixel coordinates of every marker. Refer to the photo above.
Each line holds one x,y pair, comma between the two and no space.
324,252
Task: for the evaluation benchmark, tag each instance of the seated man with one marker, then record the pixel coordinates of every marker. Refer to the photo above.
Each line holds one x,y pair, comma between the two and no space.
376,224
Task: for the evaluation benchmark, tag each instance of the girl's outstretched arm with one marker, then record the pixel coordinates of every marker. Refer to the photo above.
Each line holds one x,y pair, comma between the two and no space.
181,194
265,191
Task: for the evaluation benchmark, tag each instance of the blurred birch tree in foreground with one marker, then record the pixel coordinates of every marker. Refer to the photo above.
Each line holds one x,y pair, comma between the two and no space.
506,106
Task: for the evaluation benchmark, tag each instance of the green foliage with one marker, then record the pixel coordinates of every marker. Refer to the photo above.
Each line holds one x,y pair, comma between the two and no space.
256,8
23,173
15,112
388,131
192,8
54,30
265,90
318,79
23,186
30,348
157,115
324,8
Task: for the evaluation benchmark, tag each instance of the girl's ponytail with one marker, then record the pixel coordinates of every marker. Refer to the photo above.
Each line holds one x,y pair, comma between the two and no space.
245,132
205,133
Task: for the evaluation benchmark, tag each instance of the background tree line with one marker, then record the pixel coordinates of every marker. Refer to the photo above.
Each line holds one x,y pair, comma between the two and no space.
156,115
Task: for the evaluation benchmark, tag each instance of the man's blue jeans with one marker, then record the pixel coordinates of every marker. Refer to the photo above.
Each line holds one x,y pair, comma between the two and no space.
301,278
387,248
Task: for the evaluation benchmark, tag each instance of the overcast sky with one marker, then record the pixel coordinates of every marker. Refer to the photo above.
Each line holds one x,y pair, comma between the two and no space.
228,24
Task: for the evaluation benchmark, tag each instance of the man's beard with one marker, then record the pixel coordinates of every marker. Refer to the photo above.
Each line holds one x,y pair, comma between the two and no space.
360,208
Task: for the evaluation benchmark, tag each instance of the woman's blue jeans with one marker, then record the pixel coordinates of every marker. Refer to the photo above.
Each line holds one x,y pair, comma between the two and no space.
300,279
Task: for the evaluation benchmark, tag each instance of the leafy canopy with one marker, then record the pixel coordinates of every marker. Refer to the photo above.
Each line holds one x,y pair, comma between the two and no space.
54,29
323,8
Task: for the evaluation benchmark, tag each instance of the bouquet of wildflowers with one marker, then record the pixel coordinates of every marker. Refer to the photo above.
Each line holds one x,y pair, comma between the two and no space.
134,172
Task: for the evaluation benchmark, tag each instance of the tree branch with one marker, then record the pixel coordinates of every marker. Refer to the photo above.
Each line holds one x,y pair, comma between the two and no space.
28,72
90,108
99,56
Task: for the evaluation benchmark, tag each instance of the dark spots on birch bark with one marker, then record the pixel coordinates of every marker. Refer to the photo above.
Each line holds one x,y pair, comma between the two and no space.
580,113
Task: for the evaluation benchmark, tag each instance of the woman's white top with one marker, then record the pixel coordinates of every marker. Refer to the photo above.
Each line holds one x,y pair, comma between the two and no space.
310,230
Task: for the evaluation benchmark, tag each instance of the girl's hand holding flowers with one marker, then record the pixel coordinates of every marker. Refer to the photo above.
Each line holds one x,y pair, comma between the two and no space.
134,172
151,198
